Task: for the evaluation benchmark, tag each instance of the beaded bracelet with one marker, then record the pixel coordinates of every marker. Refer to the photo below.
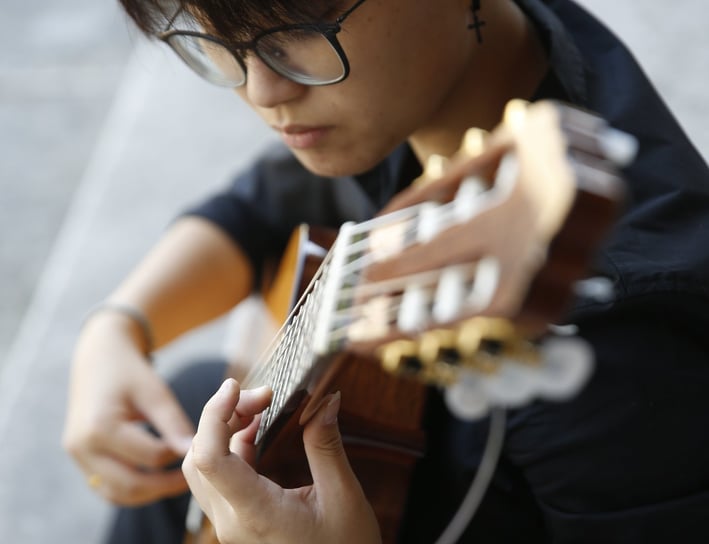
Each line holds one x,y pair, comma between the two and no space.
136,315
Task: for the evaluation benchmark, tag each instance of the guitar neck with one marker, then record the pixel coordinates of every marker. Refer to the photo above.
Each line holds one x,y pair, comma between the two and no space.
319,322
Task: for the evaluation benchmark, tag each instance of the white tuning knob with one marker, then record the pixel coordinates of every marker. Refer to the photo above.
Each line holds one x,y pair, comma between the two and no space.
450,294
566,367
429,223
413,312
467,399
512,384
467,203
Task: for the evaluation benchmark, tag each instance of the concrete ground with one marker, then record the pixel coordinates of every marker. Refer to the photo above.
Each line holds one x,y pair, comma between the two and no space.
103,139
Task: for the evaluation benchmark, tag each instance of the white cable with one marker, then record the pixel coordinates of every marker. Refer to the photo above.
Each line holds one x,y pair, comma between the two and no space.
480,483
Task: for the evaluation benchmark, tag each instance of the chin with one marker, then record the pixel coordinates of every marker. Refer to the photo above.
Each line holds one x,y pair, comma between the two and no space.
334,164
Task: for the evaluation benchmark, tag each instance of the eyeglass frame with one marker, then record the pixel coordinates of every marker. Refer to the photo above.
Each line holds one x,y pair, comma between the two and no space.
328,30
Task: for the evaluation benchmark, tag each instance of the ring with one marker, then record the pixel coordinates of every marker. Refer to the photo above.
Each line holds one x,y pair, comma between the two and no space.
94,481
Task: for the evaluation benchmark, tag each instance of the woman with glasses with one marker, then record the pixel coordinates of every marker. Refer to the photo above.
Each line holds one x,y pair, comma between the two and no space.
362,93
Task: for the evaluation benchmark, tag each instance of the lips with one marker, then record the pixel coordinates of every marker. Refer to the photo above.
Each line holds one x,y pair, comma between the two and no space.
301,136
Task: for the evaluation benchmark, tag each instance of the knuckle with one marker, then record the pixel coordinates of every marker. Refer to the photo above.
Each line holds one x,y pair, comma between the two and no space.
330,445
204,462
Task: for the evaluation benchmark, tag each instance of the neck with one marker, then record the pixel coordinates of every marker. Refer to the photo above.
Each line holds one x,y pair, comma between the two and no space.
510,63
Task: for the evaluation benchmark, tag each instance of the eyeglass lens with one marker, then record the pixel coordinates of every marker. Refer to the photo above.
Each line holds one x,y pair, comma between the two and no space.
301,55
209,59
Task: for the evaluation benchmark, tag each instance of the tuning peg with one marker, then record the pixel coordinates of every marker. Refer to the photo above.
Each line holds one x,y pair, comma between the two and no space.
413,312
400,357
567,362
438,346
512,384
473,332
474,142
450,294
515,113
434,169
429,222
435,166
467,398
466,203
484,284
592,134
618,146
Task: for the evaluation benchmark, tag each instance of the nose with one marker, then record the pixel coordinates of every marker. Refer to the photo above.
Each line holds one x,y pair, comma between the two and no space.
265,88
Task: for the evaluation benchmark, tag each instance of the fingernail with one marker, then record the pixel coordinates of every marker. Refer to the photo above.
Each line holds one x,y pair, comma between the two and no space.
226,387
331,409
263,390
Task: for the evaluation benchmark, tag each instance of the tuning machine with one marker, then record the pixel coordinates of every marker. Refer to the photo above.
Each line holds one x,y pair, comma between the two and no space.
486,362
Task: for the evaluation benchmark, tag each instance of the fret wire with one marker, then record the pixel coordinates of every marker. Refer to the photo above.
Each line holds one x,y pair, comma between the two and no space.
283,363
321,272
276,362
287,365
296,341
275,373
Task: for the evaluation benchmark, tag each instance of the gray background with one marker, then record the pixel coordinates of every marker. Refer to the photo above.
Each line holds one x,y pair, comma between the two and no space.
103,138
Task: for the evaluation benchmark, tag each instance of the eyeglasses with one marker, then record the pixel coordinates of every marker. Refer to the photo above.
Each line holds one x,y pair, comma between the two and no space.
307,53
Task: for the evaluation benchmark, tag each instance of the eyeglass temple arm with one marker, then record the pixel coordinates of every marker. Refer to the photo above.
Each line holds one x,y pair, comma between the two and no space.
346,14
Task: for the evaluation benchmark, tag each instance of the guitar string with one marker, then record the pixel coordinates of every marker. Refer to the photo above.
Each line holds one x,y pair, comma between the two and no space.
350,297
271,364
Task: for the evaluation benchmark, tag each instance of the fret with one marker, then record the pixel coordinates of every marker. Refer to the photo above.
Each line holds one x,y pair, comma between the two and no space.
292,356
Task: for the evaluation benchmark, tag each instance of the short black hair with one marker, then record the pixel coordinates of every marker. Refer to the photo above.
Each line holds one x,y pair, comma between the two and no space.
228,18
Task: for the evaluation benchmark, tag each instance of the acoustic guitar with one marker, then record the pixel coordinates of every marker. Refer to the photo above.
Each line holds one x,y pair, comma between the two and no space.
456,285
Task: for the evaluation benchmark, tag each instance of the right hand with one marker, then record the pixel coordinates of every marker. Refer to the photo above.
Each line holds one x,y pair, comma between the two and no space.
114,392
248,508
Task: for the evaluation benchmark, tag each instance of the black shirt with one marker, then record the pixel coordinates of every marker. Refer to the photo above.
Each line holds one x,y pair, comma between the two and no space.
625,460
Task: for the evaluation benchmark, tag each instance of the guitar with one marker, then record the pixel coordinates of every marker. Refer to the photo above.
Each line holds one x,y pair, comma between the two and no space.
454,285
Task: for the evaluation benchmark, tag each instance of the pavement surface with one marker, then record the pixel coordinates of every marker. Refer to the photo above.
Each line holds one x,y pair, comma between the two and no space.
103,139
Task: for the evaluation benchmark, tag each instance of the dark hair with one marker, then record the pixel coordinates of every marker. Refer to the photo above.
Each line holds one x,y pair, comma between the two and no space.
228,18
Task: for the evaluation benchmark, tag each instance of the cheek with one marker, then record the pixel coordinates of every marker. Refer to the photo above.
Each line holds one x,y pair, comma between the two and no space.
406,70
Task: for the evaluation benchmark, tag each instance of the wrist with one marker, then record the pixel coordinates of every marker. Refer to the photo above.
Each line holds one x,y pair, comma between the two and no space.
124,317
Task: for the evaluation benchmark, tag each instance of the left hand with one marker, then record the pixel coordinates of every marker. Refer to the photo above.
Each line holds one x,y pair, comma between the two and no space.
247,508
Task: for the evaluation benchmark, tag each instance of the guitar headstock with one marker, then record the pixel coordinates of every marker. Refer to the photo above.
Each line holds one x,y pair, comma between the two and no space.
458,280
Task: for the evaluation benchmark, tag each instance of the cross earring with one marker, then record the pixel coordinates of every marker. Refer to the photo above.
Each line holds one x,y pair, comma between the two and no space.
477,23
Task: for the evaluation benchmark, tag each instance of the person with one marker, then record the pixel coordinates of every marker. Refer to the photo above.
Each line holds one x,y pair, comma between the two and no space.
361,93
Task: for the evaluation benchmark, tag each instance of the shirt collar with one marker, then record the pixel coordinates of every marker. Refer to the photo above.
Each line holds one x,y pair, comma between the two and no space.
565,59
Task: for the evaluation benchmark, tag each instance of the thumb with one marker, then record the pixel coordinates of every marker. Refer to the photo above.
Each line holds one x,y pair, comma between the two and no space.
331,471
161,408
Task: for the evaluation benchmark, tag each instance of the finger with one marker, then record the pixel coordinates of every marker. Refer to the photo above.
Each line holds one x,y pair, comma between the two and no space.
254,401
135,445
197,484
328,462
242,443
160,407
219,420
210,455
127,486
